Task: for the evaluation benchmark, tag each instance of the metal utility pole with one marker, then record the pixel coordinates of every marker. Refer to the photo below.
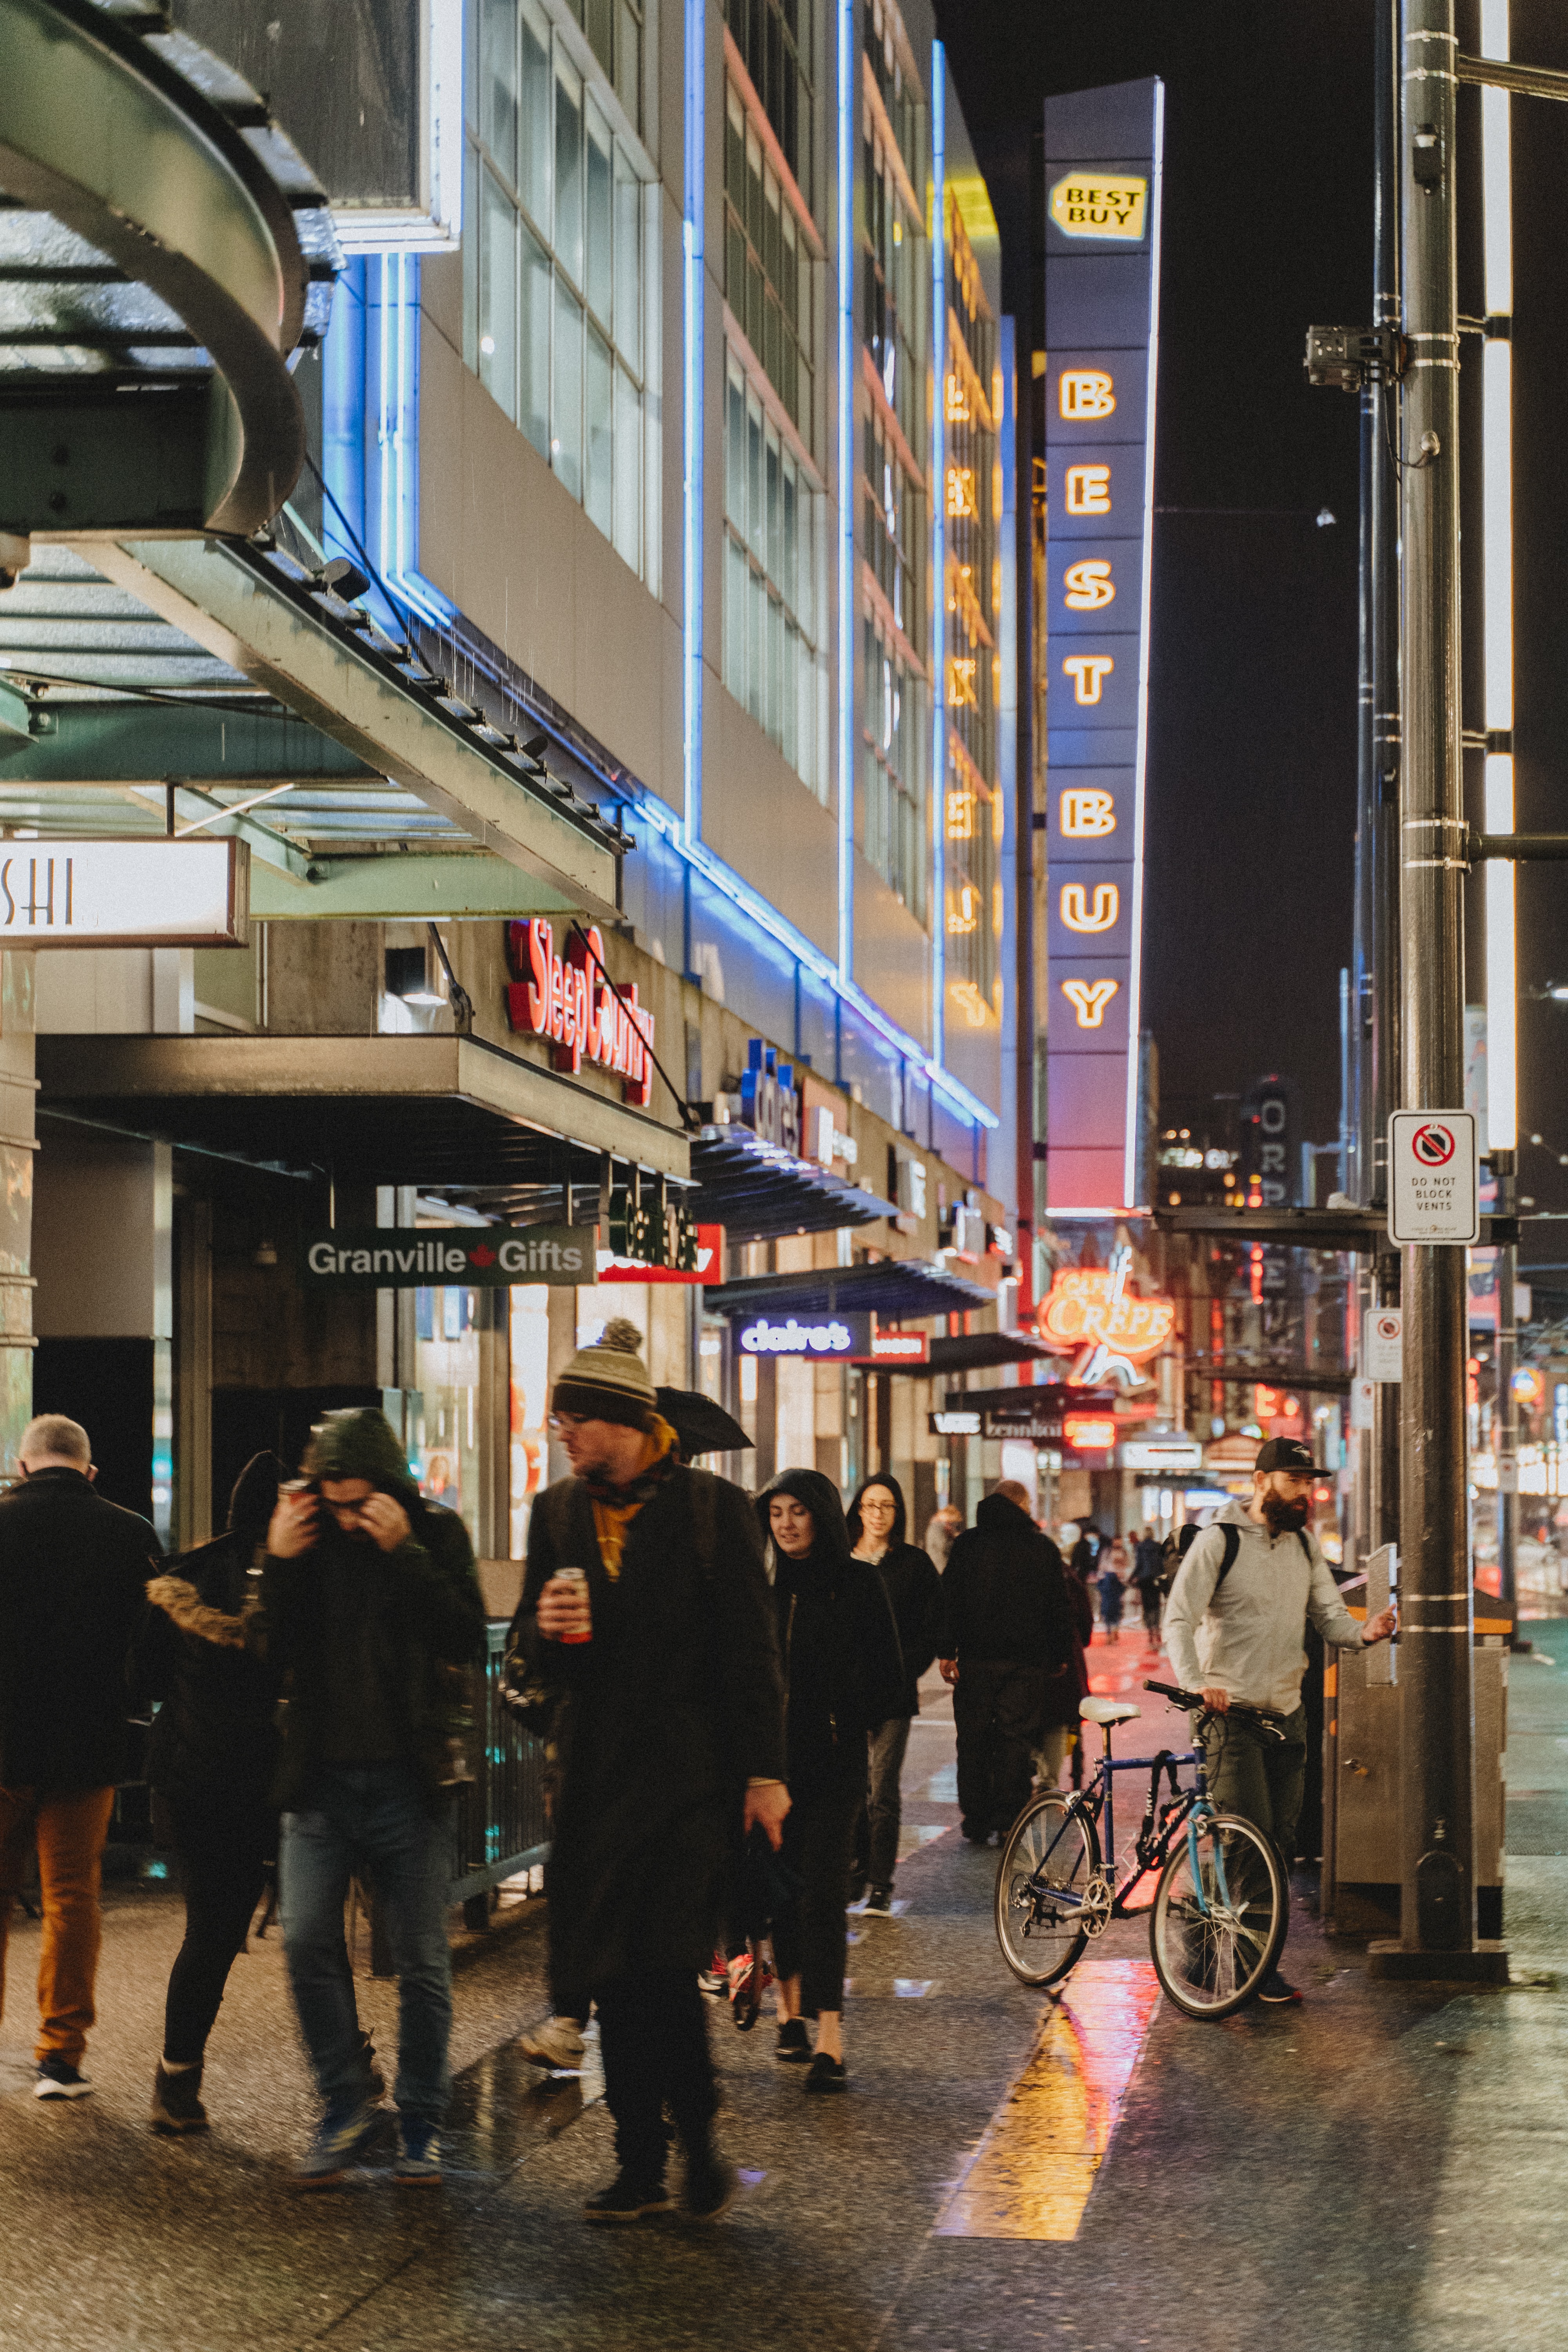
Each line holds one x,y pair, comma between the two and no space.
1437,1918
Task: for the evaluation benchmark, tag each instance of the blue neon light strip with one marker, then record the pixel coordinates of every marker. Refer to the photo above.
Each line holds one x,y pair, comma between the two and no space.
1135,977
397,439
939,553
692,329
849,116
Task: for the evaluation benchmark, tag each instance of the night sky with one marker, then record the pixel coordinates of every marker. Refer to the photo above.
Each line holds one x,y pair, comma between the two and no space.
1268,227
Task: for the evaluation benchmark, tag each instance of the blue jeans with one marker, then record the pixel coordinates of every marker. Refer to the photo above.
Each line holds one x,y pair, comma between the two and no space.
370,1822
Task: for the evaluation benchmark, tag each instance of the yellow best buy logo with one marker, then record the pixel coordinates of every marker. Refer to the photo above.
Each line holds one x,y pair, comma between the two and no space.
1094,203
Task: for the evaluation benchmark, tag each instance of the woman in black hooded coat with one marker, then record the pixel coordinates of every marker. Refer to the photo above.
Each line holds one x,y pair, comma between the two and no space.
844,1677
879,1531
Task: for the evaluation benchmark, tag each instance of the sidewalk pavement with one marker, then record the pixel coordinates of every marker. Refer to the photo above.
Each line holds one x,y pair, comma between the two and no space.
1381,2170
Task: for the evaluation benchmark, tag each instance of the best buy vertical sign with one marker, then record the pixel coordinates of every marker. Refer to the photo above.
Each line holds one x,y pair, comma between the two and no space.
1102,265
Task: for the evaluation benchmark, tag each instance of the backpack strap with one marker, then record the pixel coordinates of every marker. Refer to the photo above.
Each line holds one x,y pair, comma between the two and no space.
1230,1535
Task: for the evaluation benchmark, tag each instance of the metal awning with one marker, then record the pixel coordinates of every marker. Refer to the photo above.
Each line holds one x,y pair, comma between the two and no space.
447,1114
757,1190
900,1289
983,1351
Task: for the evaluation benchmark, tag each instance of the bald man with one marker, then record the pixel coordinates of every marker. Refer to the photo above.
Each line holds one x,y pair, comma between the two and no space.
73,1580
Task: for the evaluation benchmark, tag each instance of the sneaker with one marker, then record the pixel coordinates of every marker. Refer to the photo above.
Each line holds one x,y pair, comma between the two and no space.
57,2079
826,2074
1276,1992
880,1902
713,1981
711,2186
627,2200
177,2100
795,2043
419,2154
557,2044
345,2128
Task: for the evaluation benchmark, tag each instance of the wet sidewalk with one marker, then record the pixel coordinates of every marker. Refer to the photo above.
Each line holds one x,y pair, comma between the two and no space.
1383,2170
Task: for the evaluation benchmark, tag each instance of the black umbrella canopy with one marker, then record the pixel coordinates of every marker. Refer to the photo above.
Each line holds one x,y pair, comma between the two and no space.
703,1427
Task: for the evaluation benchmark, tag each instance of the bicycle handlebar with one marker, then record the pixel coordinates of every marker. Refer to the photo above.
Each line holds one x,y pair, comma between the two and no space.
1194,1703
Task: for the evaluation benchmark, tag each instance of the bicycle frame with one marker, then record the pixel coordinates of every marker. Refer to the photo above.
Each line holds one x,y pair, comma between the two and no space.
1099,1802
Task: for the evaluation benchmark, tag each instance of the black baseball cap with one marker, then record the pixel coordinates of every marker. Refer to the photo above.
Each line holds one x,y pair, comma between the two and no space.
1285,1453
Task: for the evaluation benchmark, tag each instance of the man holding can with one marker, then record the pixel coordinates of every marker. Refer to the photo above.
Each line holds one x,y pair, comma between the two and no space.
669,1741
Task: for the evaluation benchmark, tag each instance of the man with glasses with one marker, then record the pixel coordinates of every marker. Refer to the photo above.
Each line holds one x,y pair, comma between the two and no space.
371,1608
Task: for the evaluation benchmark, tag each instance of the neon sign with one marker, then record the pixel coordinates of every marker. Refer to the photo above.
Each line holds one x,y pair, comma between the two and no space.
1087,813
1089,1432
1085,392
1090,1000
1092,204
1079,913
1088,587
1087,489
1085,1306
568,1000
1088,673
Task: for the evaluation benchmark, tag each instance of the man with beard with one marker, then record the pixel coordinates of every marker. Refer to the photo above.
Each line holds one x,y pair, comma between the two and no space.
1234,1630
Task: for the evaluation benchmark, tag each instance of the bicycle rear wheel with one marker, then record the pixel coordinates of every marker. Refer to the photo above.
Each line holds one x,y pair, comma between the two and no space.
1047,1859
1220,1915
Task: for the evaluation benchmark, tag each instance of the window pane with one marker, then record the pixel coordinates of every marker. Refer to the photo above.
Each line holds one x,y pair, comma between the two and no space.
735,568
533,164
775,554
628,470
533,364
628,263
600,262
569,171
599,497
497,82
757,636
755,517
735,454
776,669
601,33
791,658
471,254
497,297
628,65
789,568
734,149
566,409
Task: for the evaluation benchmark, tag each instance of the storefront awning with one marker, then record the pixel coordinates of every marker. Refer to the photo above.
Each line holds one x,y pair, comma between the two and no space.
447,1114
757,1190
983,1351
900,1290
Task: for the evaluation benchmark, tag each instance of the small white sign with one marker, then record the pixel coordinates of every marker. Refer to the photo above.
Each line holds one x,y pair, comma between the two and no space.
1363,1396
124,894
1161,1453
1382,1344
1434,1193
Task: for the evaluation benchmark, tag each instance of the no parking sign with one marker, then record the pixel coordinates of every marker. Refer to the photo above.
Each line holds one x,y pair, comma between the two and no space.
1434,1194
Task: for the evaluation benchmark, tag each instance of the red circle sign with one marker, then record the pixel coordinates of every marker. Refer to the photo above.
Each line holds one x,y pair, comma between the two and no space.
1433,1145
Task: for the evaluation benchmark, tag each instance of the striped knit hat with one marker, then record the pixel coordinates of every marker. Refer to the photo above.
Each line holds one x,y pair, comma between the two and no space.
609,1381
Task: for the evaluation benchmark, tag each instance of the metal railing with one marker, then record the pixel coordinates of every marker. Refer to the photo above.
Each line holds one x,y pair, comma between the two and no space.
499,1827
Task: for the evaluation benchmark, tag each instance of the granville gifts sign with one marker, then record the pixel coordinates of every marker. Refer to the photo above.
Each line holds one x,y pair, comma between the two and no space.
476,1257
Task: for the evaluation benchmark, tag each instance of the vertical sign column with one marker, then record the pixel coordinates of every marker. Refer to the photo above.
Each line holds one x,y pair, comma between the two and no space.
1103,251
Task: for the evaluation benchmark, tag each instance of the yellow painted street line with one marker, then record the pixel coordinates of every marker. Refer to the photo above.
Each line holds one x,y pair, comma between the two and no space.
1033,2171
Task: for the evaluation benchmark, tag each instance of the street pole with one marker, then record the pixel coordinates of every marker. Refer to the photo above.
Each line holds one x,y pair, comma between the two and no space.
1505,1414
1383,1514
1437,1912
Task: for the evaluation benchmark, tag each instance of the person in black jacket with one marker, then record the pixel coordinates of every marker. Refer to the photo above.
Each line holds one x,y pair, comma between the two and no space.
73,1580
845,1678
878,1530
1006,1637
644,1620
371,1606
210,1763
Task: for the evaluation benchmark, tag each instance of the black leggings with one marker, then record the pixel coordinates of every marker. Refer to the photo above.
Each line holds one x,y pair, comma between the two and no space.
810,1938
223,1868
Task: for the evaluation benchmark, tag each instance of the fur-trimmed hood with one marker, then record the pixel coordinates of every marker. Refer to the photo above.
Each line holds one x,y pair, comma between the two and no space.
183,1605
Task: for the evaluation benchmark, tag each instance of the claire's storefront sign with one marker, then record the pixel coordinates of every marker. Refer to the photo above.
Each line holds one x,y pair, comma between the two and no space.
476,1257
568,999
829,1338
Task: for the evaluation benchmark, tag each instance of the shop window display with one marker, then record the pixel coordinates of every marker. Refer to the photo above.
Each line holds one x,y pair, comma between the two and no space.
530,1413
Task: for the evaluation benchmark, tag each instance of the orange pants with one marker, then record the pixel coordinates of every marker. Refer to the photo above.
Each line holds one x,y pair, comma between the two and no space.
70,1826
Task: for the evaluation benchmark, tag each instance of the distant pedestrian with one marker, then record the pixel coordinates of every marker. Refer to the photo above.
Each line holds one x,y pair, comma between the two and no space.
942,1528
371,1601
646,1609
1148,1578
73,1582
877,1531
1086,1549
211,1763
1006,1642
844,1677
1109,1585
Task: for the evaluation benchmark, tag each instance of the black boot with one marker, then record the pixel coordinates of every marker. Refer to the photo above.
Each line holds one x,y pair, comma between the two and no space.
177,2100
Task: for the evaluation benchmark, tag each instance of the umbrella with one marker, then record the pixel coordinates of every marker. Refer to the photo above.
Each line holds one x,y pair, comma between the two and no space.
701,1426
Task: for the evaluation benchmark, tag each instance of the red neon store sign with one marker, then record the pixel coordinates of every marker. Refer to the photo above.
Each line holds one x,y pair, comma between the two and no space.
568,1000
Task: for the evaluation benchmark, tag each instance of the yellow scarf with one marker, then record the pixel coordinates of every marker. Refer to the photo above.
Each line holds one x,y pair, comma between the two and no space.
612,1520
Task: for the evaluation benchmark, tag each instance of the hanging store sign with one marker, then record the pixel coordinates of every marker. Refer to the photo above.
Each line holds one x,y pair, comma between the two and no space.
476,1257
126,894
707,1256
567,999
1434,1188
1163,1455
1102,160
897,1348
829,1338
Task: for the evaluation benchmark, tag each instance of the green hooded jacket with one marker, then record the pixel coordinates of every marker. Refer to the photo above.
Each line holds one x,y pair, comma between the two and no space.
434,1623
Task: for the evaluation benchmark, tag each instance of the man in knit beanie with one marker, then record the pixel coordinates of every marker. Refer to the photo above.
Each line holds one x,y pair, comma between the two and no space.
670,1748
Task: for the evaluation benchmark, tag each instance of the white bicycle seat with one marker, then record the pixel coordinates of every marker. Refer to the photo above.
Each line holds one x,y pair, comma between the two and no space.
1107,1710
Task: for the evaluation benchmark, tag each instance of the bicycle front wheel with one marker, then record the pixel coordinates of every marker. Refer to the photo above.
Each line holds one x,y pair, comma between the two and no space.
1048,1857
1220,1915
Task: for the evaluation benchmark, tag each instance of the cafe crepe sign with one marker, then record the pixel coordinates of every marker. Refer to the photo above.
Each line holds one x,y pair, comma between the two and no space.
1091,1309
569,999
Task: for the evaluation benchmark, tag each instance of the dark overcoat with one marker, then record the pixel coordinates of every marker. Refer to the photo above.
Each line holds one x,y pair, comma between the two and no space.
667,1712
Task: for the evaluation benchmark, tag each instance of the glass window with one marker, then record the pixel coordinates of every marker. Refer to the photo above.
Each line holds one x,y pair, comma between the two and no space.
534,360
765,272
497,82
599,494
629,61
447,1432
566,404
628,262
628,470
770,661
601,240
497,297
529,1415
568,169
774,37
537,143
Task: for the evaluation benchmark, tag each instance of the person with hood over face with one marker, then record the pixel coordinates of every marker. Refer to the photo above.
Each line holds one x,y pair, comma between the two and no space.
877,1523
371,1601
844,1679
1007,1638
210,1763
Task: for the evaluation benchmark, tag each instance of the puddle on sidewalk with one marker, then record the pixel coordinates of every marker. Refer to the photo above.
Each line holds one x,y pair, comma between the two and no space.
504,2108
1033,2172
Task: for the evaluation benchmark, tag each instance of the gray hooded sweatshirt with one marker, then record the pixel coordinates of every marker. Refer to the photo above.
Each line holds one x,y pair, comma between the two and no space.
1246,1639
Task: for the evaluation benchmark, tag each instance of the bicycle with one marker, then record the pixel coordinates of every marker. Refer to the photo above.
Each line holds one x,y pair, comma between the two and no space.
1221,1905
